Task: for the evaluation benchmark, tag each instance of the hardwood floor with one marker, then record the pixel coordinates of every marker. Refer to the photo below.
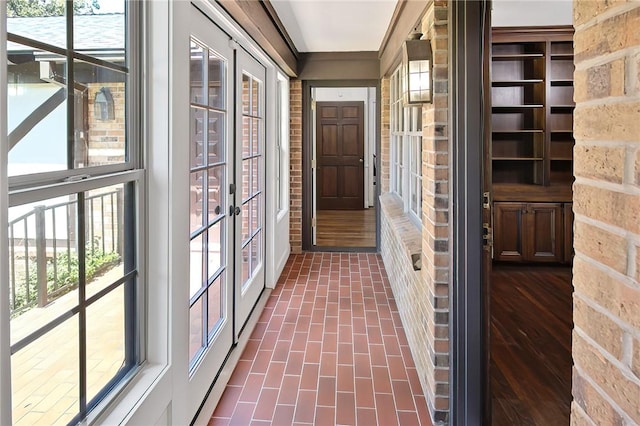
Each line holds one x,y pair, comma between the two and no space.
531,322
346,228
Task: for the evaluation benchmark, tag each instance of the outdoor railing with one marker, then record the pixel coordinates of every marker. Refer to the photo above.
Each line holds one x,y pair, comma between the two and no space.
43,252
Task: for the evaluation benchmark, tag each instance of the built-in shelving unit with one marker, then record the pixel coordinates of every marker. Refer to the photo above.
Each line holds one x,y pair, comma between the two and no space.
532,137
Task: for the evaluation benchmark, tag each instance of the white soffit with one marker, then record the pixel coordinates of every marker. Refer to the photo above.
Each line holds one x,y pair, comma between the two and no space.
335,26
524,13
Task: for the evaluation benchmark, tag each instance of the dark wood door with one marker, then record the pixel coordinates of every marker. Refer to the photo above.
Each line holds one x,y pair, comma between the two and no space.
544,229
508,231
340,155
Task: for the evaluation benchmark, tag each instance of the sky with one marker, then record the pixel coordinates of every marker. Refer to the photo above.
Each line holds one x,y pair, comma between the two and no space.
111,6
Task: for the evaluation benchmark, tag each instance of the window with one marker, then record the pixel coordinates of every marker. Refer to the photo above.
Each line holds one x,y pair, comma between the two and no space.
282,106
406,149
75,175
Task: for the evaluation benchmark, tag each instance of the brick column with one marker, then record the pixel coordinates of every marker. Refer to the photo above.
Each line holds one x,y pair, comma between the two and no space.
606,202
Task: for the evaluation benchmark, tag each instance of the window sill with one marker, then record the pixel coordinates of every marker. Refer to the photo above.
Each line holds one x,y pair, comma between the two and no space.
408,233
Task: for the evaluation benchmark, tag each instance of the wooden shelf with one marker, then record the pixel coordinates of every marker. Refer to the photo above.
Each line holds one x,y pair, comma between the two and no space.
561,82
513,107
518,131
561,56
538,193
510,83
516,159
516,56
531,141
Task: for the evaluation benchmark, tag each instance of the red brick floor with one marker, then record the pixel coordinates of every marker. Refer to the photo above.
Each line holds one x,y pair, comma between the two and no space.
329,349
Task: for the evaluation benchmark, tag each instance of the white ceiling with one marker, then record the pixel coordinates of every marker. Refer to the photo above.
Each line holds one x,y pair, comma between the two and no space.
335,25
360,25
522,13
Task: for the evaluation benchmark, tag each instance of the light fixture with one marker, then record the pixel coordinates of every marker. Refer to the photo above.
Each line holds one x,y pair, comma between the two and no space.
103,106
417,62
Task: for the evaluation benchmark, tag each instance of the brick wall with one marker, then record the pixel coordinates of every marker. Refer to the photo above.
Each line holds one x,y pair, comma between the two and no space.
435,213
606,338
422,297
106,138
295,166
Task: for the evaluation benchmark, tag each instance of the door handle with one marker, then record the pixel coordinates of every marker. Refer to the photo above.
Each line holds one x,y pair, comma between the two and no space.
362,160
234,210
237,211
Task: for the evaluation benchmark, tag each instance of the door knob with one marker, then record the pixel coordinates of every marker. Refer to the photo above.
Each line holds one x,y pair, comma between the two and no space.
234,210
362,160
237,211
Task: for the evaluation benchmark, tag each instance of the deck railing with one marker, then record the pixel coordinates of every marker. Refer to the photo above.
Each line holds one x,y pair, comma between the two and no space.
43,252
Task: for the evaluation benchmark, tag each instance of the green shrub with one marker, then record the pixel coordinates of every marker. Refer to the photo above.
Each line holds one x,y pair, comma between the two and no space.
97,261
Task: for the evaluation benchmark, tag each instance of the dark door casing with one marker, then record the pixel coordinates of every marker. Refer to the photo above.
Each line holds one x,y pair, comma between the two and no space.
340,155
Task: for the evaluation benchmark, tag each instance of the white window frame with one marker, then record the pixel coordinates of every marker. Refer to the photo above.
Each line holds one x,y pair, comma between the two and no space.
24,189
282,146
405,124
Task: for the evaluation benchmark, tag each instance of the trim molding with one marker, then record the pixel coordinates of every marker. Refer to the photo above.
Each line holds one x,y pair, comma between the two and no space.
259,20
307,138
467,372
339,66
407,15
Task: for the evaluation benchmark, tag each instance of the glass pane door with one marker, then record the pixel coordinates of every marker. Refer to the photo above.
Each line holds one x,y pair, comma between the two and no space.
210,226
250,185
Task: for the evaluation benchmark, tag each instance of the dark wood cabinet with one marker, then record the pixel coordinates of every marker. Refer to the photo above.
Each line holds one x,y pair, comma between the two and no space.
531,147
529,232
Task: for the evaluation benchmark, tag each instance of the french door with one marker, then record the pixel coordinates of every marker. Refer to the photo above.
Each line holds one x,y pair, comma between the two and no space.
226,184
249,194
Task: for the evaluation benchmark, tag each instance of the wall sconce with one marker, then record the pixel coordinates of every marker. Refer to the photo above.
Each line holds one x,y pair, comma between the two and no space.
417,62
103,106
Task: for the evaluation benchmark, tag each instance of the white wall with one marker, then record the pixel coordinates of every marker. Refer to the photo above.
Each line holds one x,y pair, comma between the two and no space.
525,13
368,96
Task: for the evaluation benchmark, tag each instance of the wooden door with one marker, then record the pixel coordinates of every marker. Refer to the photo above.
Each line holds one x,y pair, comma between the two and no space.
340,155
508,231
544,231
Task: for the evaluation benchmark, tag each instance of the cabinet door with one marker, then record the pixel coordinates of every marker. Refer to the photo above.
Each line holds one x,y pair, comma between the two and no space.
508,226
544,232
568,232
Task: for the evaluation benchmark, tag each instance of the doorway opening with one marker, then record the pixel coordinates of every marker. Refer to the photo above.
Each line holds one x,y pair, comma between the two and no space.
528,217
341,146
